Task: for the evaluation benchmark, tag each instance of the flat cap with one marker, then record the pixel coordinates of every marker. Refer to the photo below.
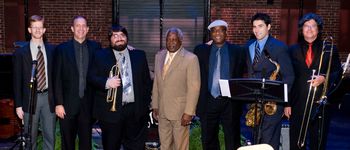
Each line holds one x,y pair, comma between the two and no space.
218,23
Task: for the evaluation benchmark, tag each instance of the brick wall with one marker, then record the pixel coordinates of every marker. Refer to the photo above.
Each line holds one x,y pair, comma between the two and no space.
59,14
2,27
238,13
330,11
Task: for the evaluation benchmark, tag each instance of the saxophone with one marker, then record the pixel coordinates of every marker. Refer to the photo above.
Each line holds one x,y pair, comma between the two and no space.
269,107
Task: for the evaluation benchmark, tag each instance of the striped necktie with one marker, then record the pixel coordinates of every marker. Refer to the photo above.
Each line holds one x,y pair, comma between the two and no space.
257,53
41,76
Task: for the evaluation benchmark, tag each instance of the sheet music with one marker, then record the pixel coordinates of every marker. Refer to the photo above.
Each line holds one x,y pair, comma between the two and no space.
285,93
224,88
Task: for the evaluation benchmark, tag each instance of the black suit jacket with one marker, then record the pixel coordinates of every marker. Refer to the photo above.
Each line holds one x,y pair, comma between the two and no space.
303,73
66,78
278,51
98,74
22,66
236,69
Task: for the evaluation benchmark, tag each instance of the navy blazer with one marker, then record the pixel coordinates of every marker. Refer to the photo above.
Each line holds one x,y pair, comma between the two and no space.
236,69
278,51
99,73
22,66
66,77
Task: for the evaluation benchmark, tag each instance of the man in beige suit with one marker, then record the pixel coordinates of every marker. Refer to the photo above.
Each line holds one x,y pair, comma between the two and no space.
175,92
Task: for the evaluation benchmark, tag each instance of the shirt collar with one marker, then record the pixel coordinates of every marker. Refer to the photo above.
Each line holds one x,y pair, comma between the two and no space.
262,42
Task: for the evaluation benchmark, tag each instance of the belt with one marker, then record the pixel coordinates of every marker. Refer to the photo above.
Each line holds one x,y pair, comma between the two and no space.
125,103
42,91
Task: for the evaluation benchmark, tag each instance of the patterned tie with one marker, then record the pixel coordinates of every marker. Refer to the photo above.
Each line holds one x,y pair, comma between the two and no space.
257,53
215,89
167,65
308,58
125,75
41,77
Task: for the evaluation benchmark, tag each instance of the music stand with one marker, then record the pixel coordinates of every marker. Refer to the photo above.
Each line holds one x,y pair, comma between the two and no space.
255,90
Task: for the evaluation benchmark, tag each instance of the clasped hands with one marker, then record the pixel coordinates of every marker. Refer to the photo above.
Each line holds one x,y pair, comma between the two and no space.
185,119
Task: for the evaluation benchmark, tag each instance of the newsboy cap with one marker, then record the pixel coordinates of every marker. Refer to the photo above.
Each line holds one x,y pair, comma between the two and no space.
217,23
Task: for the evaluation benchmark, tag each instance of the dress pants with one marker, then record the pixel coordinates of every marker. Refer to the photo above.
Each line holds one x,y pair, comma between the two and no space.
173,136
128,130
313,138
81,125
226,112
271,128
47,122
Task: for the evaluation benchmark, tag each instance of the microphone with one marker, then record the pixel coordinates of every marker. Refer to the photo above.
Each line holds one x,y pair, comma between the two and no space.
34,63
263,73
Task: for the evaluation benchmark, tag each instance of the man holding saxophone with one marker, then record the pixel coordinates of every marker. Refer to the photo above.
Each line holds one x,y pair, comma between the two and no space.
268,58
306,57
122,98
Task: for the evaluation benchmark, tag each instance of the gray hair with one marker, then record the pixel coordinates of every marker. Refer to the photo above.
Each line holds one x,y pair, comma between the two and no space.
177,31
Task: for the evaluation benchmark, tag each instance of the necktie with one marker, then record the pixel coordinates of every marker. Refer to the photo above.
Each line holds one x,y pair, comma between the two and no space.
125,75
167,65
41,77
308,58
257,53
81,73
215,89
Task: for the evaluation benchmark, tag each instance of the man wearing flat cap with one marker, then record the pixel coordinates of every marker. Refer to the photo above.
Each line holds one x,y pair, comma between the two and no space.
219,60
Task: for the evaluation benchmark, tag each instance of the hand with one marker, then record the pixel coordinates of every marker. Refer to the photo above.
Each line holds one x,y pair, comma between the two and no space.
287,111
316,80
60,112
186,120
19,112
209,42
113,82
155,113
130,47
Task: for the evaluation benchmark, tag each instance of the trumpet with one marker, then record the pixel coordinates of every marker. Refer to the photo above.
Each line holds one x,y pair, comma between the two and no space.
112,92
312,94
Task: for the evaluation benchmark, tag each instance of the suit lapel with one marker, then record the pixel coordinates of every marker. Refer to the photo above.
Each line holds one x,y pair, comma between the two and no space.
176,60
72,54
161,61
28,55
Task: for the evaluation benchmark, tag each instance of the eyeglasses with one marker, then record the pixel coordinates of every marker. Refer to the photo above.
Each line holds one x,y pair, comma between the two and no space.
309,26
123,36
37,28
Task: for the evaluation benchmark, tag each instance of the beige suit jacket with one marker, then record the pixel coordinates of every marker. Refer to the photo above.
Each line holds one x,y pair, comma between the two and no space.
178,92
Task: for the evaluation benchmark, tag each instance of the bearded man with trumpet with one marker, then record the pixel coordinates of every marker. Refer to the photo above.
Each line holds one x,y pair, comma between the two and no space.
307,56
121,99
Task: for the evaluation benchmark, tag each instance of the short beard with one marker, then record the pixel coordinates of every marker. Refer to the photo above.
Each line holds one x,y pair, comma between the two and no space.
119,47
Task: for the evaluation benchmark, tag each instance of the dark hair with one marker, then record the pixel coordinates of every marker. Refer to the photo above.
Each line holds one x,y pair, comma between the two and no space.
36,18
261,16
117,28
308,17
77,17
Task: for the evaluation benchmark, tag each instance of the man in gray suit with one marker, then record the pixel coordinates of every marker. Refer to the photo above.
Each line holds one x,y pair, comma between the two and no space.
41,52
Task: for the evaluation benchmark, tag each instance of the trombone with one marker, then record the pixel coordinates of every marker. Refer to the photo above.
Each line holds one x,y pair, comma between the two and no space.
312,94
112,92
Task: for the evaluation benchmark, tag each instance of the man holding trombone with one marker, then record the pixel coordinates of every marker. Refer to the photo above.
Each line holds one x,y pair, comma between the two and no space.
122,97
315,68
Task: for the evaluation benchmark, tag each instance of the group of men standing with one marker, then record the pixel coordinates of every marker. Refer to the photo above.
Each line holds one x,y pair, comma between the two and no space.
185,85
